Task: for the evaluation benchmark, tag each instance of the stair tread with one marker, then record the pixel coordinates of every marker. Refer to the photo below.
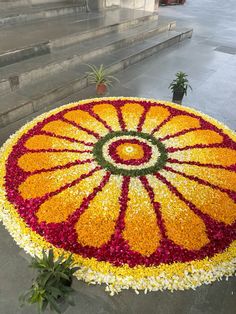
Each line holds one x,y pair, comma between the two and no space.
60,55
55,82
23,10
33,32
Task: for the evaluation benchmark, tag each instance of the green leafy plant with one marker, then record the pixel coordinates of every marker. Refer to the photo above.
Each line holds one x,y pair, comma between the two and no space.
180,84
100,77
52,283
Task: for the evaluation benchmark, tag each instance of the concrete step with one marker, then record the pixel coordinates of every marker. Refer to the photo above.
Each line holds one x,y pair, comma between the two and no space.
34,97
37,38
41,11
11,4
23,73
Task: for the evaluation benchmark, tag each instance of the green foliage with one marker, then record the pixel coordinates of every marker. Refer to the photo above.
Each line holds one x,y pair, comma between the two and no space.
52,283
180,84
99,75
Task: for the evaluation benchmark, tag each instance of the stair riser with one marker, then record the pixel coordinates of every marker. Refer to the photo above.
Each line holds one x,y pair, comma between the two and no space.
40,73
76,38
75,86
40,15
24,53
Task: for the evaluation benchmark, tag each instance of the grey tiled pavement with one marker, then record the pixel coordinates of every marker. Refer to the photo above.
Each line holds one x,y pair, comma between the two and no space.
213,77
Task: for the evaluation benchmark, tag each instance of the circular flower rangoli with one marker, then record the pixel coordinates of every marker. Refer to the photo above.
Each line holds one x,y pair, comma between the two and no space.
143,193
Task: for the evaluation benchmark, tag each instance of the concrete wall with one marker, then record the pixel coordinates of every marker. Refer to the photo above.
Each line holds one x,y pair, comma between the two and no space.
148,5
4,4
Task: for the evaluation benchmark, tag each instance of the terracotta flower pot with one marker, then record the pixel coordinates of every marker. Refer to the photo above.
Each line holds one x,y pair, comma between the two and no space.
101,89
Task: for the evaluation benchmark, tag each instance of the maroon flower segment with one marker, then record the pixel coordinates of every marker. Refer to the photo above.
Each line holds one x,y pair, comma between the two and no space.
174,199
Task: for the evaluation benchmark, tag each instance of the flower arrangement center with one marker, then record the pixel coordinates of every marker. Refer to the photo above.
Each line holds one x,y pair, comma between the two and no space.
130,153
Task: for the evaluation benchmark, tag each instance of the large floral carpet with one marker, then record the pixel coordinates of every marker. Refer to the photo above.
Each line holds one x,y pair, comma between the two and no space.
142,192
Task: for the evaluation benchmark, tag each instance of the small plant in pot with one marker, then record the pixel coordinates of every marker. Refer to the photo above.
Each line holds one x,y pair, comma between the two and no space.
100,77
52,285
179,87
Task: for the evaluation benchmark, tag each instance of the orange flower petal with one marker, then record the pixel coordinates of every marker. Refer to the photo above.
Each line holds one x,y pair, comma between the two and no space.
49,142
97,224
204,137
183,226
62,128
178,124
213,202
108,113
131,115
141,229
46,160
129,151
225,179
85,120
42,183
154,117
213,155
59,207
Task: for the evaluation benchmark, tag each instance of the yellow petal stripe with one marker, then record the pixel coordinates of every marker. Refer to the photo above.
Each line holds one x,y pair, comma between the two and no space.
66,129
203,137
46,160
51,180
205,198
177,124
141,229
154,117
59,207
183,226
49,142
97,224
220,177
85,120
108,113
131,115
214,155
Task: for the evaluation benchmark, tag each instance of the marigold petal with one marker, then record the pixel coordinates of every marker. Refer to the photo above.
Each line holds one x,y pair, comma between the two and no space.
141,229
132,113
85,120
37,185
46,160
57,208
213,202
183,226
97,224
222,178
49,142
192,138
212,155
177,124
154,117
62,128
108,113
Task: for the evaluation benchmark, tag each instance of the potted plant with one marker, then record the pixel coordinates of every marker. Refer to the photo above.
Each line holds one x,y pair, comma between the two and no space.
100,77
52,285
179,87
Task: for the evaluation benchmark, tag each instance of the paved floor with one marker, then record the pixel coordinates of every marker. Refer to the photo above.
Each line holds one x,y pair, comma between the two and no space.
210,60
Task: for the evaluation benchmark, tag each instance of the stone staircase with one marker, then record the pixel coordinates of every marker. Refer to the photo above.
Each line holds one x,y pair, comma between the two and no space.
43,60
10,14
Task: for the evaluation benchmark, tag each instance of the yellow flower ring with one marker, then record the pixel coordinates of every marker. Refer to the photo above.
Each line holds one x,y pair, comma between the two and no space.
142,192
